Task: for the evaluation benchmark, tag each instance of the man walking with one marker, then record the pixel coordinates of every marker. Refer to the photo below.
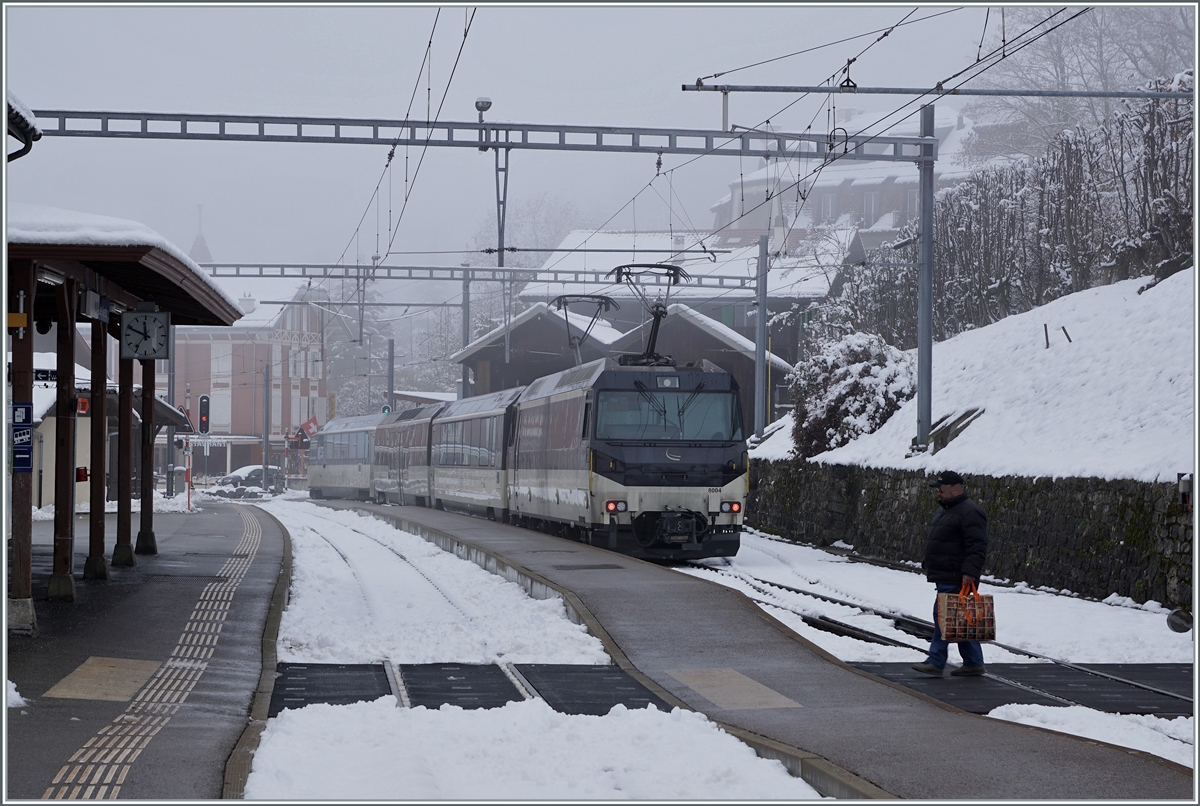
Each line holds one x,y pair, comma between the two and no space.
954,555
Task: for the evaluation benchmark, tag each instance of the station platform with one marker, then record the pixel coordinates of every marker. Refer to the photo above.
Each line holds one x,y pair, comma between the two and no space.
140,688
143,687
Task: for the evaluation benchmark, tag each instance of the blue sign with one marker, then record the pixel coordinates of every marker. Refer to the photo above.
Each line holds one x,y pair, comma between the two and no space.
22,414
22,448
21,419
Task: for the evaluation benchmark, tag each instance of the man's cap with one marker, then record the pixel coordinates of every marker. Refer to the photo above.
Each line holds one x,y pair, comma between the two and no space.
946,477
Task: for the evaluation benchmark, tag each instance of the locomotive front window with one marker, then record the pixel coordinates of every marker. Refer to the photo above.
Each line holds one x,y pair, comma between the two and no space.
660,414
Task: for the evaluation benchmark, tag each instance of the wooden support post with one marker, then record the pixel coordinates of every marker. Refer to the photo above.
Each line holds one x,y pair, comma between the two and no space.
96,567
62,577
123,550
21,618
146,543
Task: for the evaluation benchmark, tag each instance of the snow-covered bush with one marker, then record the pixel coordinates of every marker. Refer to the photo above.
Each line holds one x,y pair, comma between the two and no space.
848,388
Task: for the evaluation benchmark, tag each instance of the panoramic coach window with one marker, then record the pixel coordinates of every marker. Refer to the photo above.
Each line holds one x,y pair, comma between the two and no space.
661,414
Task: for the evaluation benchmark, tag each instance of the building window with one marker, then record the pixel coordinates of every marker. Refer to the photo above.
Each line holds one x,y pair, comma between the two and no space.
912,204
870,208
828,207
221,363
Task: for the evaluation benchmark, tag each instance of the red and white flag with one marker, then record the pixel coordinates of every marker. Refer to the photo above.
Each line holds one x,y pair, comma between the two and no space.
310,427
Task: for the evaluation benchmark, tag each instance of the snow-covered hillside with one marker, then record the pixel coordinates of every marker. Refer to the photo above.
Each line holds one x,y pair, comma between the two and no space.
1113,396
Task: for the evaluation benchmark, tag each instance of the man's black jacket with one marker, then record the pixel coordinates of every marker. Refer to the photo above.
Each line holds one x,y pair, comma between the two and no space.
957,542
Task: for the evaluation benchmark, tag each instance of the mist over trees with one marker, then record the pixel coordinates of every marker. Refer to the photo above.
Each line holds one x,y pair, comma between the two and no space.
431,338
1105,49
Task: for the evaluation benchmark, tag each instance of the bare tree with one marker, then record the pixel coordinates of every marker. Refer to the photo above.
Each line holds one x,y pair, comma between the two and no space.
1107,48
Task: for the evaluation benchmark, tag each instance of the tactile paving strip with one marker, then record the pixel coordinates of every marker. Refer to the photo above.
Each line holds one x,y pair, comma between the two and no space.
576,689
467,686
301,684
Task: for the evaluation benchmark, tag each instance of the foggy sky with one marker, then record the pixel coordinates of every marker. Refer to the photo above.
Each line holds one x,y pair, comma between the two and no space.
303,202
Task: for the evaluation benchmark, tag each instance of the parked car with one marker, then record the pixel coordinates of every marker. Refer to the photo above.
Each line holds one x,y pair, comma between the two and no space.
251,476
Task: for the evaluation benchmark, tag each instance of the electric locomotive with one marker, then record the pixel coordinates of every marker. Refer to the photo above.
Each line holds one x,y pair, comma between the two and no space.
646,460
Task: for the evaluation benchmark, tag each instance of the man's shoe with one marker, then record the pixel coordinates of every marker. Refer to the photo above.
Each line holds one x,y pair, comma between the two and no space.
969,671
928,668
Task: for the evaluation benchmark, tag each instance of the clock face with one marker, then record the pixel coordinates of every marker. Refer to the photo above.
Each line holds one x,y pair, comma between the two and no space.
145,335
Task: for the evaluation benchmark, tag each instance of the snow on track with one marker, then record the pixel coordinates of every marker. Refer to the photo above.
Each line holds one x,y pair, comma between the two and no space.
363,591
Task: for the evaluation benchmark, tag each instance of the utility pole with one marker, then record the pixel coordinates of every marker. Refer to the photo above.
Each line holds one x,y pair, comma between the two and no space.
391,375
266,446
760,341
925,293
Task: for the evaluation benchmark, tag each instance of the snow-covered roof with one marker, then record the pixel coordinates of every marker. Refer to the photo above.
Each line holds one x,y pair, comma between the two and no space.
806,275
36,224
602,332
863,173
725,334
426,397
17,107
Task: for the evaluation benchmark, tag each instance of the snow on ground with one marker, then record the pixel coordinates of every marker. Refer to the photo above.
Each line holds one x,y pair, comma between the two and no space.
1056,624
176,504
1112,396
523,751
13,697
478,618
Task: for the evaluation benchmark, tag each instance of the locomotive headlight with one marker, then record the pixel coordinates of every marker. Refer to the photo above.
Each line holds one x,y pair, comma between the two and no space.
731,506
615,506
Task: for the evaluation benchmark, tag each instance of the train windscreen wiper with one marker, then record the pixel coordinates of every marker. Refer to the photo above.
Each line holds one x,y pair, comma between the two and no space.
683,407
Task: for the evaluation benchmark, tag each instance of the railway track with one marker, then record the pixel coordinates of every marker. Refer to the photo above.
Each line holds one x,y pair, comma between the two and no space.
398,554
767,595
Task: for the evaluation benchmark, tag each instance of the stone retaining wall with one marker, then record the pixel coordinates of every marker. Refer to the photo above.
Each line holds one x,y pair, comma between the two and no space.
1087,535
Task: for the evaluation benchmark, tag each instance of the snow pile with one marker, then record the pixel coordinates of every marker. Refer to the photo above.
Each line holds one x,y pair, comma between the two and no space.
522,752
161,504
1112,396
14,698
480,617
1172,739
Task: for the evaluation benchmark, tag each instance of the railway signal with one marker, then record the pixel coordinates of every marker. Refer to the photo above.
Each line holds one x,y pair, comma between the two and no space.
203,423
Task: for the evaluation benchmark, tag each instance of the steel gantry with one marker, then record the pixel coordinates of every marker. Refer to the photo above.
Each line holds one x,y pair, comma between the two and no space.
484,135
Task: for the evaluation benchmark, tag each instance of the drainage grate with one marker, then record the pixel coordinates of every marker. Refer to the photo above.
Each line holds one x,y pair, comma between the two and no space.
596,567
1173,677
574,689
301,684
979,695
467,686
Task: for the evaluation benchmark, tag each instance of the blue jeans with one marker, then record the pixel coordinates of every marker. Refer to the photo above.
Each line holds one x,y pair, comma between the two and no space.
971,651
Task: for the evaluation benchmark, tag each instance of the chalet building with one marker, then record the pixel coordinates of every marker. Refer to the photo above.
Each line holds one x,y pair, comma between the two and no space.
537,345
690,337
863,195
722,283
228,364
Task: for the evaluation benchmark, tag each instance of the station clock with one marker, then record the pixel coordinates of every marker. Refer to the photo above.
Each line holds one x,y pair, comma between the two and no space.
146,335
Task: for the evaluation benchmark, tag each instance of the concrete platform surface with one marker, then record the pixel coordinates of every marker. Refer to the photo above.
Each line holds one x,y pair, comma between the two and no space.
141,687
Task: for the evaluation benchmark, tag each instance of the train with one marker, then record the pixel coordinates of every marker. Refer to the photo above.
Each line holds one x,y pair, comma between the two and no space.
649,461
